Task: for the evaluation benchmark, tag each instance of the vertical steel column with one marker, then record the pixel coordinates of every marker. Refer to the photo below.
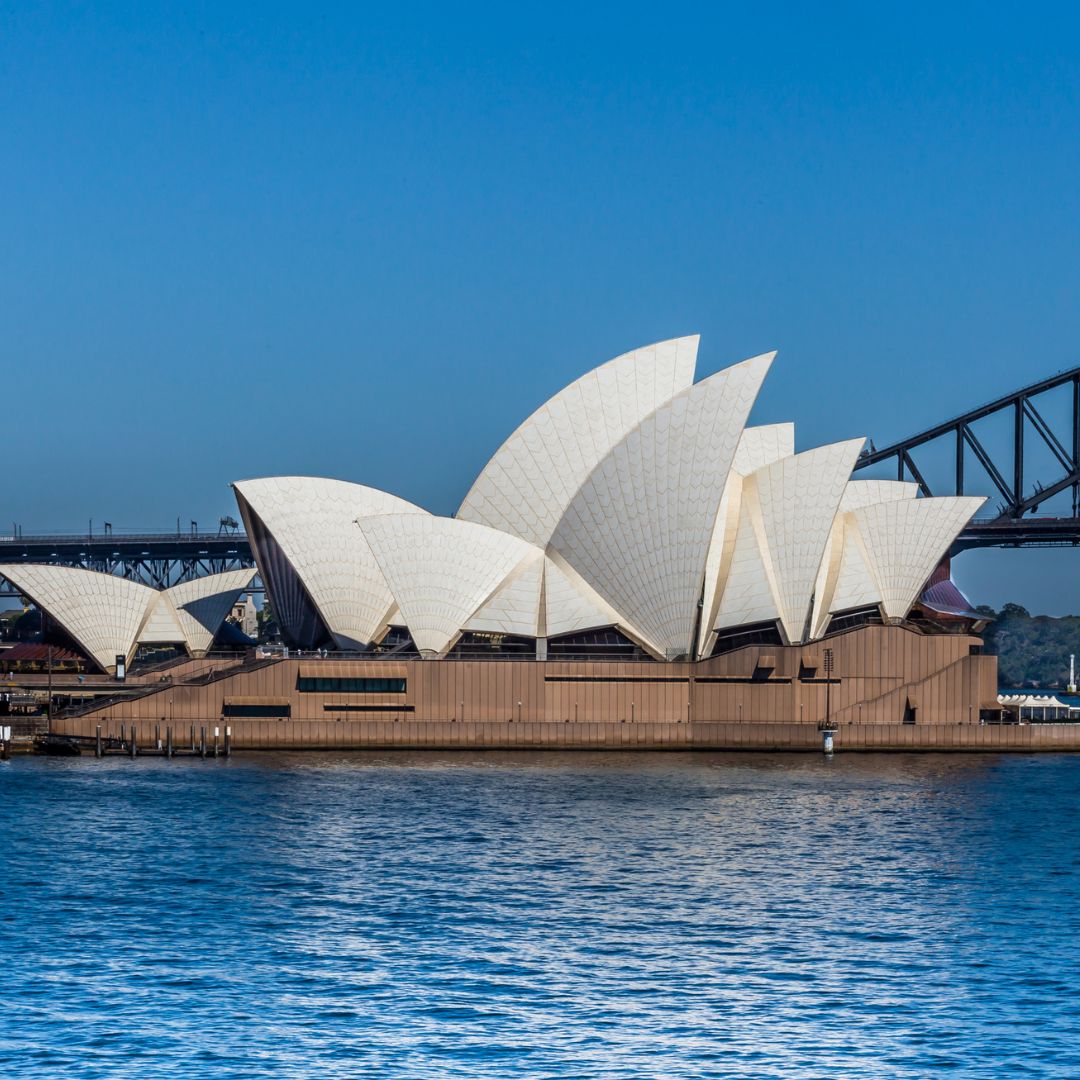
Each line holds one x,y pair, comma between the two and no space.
959,459
1076,442
1018,455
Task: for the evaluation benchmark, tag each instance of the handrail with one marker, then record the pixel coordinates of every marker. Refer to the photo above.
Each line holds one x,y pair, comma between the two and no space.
139,691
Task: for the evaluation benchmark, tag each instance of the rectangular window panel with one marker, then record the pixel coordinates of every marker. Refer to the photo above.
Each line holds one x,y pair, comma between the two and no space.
321,684
263,712
369,708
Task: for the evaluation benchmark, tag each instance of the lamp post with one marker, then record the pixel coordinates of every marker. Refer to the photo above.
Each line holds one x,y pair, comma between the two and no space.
48,706
827,727
828,686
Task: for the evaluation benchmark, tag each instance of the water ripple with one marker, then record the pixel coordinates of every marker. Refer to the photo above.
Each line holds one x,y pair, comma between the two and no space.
559,915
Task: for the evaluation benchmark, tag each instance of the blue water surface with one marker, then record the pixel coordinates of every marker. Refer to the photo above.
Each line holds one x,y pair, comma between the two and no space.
545,915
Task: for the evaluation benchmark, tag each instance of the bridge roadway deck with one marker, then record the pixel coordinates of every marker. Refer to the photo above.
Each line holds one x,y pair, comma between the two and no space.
211,552
75,547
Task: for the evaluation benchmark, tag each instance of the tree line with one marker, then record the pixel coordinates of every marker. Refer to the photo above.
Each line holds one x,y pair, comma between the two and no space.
1032,650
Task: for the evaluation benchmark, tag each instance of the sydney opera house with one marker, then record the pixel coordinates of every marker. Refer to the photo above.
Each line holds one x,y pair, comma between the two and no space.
634,566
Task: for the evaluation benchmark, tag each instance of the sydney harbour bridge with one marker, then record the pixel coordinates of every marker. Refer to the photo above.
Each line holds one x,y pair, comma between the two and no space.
1022,451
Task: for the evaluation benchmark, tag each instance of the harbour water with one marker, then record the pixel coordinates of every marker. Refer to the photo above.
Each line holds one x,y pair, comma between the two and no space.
546,915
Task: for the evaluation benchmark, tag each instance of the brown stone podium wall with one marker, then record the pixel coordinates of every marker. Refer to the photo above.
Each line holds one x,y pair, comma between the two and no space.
756,697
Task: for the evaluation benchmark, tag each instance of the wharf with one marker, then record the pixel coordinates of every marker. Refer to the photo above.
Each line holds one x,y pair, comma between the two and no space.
127,744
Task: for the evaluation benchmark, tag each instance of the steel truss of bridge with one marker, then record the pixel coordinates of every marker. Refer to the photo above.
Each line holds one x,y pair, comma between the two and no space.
155,559
1019,494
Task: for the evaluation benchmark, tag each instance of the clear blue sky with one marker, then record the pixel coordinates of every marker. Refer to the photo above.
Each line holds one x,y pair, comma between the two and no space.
366,242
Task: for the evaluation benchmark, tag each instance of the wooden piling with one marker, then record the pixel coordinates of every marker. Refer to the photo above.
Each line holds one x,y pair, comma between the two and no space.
97,743
168,743
202,743
133,748
228,741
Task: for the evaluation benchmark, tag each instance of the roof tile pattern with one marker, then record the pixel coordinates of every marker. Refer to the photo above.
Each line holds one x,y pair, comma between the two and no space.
798,499
525,488
441,570
758,446
856,584
845,581
787,513
639,528
111,616
867,492
161,626
762,445
203,604
570,605
905,539
314,522
749,592
514,608
103,613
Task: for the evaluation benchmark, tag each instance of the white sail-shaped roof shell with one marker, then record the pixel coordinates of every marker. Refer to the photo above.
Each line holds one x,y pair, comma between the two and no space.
845,581
313,523
514,607
762,445
526,487
109,616
905,539
101,612
161,626
748,593
798,499
542,598
786,518
856,584
203,604
758,446
441,571
570,604
638,530
867,492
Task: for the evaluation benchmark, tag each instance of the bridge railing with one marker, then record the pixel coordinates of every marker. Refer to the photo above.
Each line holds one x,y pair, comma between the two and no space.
121,537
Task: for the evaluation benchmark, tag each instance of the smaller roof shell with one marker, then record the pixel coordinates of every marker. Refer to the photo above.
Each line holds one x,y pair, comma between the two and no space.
441,571
758,446
321,559
905,539
110,616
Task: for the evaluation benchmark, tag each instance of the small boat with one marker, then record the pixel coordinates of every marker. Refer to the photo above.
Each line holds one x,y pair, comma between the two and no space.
59,746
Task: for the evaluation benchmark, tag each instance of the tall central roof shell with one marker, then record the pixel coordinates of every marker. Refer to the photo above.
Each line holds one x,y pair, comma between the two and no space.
525,488
638,530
